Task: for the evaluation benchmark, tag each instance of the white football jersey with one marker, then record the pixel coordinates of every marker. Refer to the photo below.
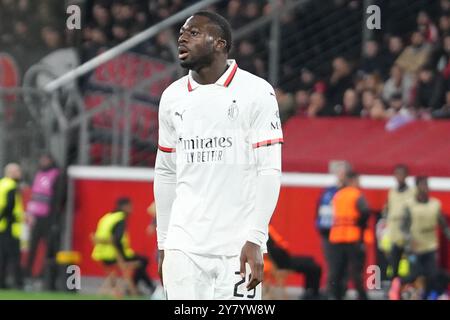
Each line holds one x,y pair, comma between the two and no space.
212,131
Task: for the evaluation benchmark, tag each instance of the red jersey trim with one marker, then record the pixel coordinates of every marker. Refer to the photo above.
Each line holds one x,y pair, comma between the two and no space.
231,76
164,149
268,143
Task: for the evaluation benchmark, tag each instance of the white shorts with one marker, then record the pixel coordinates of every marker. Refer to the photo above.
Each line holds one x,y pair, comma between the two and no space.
189,276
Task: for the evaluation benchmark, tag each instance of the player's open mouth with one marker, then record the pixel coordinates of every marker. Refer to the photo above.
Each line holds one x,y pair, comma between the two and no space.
182,53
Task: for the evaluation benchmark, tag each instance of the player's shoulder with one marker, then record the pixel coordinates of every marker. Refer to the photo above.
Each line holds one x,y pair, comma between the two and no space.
175,90
254,81
393,192
435,201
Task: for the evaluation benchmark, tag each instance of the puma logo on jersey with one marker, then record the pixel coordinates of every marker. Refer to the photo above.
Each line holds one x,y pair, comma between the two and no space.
180,114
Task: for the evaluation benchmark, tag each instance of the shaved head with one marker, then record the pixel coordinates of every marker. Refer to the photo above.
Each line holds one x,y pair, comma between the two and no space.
13,171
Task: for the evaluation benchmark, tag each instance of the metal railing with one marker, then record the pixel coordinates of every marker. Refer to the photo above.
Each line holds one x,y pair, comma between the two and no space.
78,127
126,45
22,136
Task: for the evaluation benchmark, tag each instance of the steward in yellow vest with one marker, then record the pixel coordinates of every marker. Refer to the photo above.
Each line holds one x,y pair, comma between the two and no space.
112,243
350,214
108,248
11,219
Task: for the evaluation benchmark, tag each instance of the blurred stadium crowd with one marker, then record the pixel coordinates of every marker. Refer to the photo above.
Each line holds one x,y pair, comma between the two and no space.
402,72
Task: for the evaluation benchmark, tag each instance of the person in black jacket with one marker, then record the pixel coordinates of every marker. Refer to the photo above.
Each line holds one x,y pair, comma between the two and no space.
278,252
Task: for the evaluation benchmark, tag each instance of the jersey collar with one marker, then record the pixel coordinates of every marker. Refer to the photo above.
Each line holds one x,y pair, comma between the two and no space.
223,81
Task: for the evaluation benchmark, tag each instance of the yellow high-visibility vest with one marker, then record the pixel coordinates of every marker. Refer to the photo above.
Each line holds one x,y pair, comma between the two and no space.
6,185
104,249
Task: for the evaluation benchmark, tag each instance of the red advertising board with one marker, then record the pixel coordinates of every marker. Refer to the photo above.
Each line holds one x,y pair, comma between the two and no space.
96,189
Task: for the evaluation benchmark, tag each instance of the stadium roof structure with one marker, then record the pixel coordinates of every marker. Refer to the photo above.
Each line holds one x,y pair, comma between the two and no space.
310,144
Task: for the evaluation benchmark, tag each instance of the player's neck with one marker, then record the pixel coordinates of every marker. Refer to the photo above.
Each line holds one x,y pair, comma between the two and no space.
422,197
210,74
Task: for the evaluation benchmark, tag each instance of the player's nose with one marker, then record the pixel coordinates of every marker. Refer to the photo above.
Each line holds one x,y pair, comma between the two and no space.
182,39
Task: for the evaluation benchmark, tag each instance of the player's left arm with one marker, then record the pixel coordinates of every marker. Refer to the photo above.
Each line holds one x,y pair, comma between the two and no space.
266,139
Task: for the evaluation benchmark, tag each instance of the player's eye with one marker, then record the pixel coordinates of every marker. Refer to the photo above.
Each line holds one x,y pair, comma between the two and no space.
194,33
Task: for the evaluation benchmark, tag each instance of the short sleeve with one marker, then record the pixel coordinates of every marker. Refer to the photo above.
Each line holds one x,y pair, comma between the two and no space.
265,119
166,131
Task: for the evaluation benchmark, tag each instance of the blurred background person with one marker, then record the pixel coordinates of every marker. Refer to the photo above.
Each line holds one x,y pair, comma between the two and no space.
286,104
422,217
444,111
350,215
112,246
398,114
378,110
393,51
301,103
372,61
11,219
339,81
396,106
43,214
415,55
444,25
248,59
394,212
317,106
440,58
350,104
427,27
278,251
324,213
368,100
398,83
373,81
430,90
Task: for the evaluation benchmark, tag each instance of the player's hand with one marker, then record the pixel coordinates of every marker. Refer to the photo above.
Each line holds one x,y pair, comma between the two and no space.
160,263
251,254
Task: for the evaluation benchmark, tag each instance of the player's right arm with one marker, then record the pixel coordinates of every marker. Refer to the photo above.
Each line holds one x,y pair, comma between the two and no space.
165,177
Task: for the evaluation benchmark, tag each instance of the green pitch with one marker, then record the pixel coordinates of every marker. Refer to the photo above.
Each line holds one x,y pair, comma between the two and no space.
21,295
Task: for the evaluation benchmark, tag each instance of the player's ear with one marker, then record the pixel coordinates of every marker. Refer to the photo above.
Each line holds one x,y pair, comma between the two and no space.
221,44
